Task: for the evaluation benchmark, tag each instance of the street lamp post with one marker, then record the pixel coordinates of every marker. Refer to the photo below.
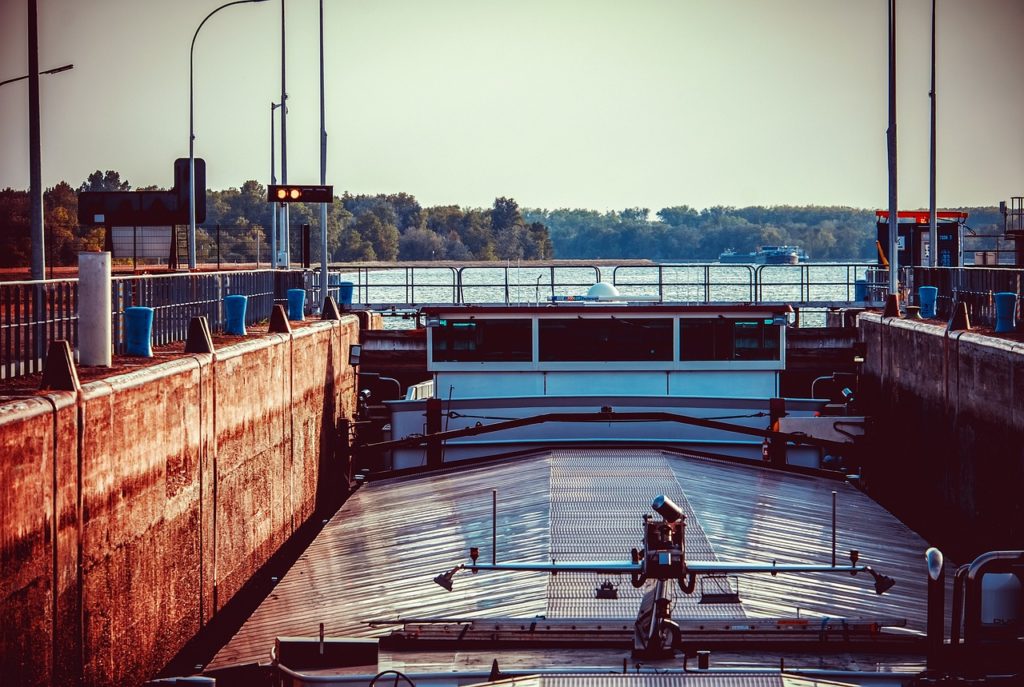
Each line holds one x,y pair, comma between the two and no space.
324,268
273,180
285,223
192,137
35,186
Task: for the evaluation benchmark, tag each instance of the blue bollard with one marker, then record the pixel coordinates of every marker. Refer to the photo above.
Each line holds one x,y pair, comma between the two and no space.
860,290
139,331
296,304
1006,312
927,296
345,293
234,314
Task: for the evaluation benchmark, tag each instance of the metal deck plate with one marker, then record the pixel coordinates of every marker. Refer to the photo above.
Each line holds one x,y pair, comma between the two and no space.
377,556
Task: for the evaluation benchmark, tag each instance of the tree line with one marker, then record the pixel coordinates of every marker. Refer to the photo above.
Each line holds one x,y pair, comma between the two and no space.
396,227
682,233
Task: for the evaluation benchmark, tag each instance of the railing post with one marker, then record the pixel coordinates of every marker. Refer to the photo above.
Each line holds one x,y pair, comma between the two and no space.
94,311
39,330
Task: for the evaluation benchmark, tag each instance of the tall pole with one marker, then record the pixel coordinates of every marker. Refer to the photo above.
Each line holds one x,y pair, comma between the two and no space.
192,136
274,206
323,168
894,223
285,238
933,221
35,166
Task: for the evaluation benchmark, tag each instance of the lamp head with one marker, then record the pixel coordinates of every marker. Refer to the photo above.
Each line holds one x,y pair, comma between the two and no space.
883,583
445,579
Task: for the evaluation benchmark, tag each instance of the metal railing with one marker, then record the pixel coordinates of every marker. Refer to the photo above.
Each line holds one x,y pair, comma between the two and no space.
411,286
973,286
32,314
693,283
177,298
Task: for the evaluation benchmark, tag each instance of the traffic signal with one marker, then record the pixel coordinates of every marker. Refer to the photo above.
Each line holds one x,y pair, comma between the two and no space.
299,193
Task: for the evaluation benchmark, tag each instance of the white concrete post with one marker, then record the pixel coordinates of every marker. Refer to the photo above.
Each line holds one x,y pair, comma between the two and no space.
94,312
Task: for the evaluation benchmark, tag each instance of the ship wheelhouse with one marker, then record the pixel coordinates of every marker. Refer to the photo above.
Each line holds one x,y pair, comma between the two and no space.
605,349
660,366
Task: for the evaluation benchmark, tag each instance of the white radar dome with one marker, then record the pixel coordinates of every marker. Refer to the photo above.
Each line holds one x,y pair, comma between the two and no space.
603,289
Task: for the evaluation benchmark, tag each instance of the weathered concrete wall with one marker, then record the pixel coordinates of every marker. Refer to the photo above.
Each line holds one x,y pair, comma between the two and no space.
950,410
132,512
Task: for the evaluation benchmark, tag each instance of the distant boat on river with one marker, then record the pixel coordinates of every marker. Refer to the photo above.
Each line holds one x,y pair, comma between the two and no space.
766,255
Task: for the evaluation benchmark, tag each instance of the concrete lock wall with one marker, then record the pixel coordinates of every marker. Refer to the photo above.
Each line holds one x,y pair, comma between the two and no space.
131,513
949,432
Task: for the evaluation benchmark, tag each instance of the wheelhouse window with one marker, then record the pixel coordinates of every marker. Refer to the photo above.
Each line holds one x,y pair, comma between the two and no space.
471,341
722,339
607,340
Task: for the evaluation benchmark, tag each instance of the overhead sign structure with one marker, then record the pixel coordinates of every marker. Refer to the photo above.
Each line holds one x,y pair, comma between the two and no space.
146,208
299,193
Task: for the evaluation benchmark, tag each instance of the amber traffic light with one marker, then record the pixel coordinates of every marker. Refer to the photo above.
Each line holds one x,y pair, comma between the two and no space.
299,193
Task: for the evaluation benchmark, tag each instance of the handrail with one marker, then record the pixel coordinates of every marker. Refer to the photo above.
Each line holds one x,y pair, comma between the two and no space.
177,297
706,285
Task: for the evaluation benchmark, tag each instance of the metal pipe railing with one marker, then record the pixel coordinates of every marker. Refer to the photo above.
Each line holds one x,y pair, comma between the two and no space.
34,313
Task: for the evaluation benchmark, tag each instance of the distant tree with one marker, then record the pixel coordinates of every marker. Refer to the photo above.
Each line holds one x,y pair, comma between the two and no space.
420,244
407,210
538,242
505,215
476,234
635,214
382,237
15,244
352,247
60,222
455,249
105,181
444,218
678,215
379,205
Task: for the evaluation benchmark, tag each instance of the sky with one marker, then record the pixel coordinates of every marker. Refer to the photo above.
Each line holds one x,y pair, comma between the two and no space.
601,104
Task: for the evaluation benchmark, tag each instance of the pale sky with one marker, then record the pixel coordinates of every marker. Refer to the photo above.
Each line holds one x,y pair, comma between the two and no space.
602,104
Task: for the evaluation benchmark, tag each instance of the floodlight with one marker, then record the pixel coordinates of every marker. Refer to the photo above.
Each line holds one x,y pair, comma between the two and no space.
666,508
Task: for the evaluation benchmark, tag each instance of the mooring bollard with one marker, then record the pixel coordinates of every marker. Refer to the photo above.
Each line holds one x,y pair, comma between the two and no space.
139,331
345,294
1006,312
927,297
234,314
296,304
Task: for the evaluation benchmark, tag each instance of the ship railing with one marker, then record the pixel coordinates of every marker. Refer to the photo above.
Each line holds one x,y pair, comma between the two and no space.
819,283
386,287
687,282
400,285
812,284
